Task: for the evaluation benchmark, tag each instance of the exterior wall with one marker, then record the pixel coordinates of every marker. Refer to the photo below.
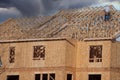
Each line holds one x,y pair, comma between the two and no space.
115,54
70,58
62,57
55,54
84,67
71,54
25,66
115,58
115,75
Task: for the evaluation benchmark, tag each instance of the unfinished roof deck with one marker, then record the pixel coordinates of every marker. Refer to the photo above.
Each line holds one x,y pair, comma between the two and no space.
79,24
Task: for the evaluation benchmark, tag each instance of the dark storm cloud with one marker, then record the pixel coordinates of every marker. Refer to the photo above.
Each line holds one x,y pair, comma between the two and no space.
44,7
4,1
82,3
26,7
6,13
55,5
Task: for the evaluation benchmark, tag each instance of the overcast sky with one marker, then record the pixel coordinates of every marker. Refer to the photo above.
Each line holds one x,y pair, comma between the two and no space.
22,8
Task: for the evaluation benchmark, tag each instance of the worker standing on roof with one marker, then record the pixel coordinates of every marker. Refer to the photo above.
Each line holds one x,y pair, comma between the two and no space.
107,13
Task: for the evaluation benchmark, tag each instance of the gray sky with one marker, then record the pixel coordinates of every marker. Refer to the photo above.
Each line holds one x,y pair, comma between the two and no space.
22,8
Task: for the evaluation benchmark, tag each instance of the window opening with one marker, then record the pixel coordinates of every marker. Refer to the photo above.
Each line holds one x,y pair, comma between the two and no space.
12,55
95,53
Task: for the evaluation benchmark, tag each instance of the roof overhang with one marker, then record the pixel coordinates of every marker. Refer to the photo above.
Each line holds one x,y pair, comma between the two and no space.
99,39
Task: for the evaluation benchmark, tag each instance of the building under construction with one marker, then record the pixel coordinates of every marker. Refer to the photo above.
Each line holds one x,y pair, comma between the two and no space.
75,44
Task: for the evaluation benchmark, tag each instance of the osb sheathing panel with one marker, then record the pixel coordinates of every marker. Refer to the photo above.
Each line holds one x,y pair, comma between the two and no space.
118,54
83,54
115,61
55,54
70,57
115,75
115,55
